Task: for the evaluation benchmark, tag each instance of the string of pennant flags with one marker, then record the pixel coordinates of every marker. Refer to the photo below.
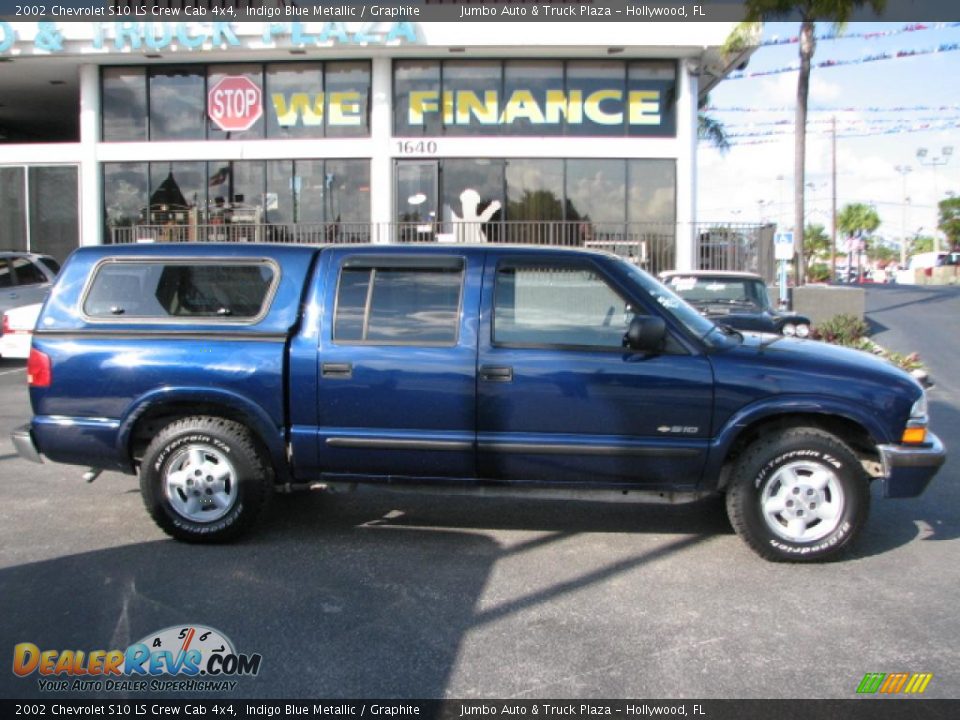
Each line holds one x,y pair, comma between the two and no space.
873,35
835,109
874,57
772,136
844,122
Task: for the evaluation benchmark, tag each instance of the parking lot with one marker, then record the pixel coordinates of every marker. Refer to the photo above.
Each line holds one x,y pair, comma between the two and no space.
381,595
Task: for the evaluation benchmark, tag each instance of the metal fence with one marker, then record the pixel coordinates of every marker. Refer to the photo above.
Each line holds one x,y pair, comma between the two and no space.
652,246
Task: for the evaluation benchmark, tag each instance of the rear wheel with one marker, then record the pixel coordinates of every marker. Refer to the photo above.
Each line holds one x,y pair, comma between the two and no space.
204,479
798,495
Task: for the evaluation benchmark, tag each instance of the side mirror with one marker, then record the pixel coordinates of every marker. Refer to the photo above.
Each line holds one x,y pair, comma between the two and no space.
646,333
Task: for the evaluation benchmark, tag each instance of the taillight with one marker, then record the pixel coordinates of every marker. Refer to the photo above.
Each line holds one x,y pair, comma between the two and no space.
6,325
38,369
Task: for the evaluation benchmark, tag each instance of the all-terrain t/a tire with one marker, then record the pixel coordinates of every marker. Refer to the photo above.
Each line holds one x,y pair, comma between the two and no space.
204,479
799,495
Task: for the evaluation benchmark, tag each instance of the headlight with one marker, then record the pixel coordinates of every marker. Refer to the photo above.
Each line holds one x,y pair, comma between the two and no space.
803,331
789,329
916,430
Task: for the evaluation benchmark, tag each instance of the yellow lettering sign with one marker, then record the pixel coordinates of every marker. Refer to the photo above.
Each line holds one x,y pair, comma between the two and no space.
594,111
298,109
522,106
345,108
468,103
644,107
420,102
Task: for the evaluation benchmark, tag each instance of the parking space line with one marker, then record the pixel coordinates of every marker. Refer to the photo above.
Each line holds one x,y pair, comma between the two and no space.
10,372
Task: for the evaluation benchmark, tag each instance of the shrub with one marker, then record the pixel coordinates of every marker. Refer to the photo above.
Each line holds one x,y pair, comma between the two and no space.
841,330
819,272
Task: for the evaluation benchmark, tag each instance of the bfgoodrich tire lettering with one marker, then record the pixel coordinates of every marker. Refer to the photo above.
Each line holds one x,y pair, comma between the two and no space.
204,479
798,495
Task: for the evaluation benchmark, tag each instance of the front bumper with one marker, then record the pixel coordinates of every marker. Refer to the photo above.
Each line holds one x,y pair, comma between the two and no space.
908,469
23,442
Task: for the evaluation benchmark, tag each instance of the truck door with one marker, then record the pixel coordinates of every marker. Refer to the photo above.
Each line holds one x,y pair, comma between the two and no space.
561,400
398,347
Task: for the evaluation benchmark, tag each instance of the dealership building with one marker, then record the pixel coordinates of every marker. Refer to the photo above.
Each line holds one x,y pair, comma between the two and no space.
562,133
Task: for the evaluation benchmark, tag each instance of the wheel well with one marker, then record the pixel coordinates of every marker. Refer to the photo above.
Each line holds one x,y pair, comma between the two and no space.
157,417
852,433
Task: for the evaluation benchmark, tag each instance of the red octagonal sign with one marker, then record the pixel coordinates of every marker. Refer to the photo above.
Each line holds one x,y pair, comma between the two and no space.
235,103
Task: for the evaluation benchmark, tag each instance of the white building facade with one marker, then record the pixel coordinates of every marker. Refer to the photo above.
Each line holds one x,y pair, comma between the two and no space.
563,133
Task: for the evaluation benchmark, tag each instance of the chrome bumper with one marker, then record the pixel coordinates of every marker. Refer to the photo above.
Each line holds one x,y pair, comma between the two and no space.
24,444
908,469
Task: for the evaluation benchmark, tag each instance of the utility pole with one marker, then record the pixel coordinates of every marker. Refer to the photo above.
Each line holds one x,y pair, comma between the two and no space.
833,211
904,170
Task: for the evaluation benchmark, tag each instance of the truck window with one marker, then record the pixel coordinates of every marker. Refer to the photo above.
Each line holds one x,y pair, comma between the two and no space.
228,290
557,306
385,305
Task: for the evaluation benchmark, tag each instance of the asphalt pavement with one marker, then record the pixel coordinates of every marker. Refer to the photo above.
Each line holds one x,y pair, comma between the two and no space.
409,596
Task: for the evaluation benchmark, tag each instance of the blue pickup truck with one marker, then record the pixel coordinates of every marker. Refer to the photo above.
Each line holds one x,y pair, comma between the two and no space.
223,373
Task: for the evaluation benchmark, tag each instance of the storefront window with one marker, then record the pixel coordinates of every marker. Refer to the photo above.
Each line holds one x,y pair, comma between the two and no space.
585,98
54,220
124,104
216,73
294,100
125,193
596,190
534,190
250,200
347,99
471,97
652,195
598,91
471,192
177,103
524,82
416,86
13,204
299,100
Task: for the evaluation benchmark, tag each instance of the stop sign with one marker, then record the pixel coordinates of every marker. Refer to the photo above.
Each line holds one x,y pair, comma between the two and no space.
235,103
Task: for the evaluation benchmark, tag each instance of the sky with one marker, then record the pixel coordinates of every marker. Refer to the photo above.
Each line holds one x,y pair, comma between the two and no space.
754,182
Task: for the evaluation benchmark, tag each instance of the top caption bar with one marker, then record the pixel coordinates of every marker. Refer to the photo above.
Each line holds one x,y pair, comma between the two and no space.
433,11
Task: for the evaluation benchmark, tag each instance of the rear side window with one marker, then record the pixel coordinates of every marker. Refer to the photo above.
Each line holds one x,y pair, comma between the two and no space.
386,305
6,279
27,272
152,290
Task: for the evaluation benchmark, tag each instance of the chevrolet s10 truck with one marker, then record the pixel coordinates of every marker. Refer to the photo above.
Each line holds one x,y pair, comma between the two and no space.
222,373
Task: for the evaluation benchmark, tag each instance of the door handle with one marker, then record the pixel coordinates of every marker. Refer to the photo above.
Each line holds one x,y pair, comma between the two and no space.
342,371
496,373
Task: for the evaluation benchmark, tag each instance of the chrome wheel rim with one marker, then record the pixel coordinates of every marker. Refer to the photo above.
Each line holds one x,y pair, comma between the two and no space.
200,483
802,502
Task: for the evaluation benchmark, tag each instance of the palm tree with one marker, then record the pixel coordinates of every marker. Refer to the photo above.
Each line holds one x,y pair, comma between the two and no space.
710,129
836,11
857,220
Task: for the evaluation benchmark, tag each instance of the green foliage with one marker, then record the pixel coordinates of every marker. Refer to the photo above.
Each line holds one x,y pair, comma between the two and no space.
921,244
819,272
882,253
851,332
857,217
817,242
950,220
845,330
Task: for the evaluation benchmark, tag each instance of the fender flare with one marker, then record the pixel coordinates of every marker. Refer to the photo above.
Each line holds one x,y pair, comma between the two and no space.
786,406
252,415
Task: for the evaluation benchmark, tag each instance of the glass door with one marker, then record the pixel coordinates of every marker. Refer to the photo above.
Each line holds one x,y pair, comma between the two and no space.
416,200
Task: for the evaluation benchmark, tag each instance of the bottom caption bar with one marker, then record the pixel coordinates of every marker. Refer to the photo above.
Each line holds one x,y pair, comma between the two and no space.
854,709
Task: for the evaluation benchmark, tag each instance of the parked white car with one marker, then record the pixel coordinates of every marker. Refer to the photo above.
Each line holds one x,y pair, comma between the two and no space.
18,325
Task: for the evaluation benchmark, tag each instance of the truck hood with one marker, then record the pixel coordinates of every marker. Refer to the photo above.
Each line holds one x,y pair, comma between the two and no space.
772,368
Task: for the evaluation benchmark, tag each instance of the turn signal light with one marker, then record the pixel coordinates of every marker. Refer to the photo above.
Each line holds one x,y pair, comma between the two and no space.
914,435
38,369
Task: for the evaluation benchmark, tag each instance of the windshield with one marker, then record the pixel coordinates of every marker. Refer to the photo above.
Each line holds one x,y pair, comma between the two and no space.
671,303
731,293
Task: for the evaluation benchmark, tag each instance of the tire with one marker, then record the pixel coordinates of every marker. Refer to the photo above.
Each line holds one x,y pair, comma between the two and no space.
204,479
800,495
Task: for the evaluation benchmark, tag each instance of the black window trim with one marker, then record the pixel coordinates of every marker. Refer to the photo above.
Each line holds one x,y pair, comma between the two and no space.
397,262
219,261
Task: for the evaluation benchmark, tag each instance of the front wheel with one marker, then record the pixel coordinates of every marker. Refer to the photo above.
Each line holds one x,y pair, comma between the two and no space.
799,495
204,479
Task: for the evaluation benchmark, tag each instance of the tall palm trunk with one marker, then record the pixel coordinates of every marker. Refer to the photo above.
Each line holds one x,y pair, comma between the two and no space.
808,44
